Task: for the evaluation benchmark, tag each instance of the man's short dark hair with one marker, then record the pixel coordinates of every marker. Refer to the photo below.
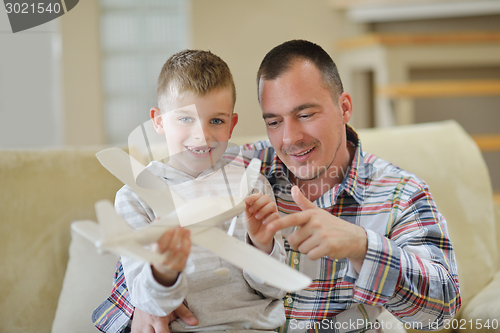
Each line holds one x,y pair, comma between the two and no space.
279,60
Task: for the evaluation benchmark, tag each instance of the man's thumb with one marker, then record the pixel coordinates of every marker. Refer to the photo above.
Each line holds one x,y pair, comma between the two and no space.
300,199
187,316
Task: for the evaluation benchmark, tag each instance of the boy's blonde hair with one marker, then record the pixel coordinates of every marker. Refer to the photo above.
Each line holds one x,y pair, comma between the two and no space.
195,71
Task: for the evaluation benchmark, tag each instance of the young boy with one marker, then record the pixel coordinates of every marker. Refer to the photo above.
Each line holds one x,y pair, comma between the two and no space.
196,96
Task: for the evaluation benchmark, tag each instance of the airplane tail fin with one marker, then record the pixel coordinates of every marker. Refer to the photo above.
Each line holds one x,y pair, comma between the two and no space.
110,223
250,177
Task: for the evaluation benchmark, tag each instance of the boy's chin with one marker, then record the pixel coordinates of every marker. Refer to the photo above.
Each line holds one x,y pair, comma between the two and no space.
198,165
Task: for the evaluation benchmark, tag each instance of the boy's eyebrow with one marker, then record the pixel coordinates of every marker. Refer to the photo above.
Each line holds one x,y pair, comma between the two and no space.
294,110
181,110
222,114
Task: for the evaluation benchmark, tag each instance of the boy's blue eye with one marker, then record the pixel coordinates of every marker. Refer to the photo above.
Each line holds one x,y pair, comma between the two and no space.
217,121
186,119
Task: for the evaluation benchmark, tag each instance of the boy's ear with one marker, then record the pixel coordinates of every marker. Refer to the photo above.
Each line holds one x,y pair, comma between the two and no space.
155,115
234,121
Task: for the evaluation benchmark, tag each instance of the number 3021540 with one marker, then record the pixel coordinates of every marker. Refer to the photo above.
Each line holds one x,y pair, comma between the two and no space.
39,8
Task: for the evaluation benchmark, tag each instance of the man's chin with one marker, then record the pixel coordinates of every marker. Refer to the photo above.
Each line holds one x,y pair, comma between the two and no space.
305,174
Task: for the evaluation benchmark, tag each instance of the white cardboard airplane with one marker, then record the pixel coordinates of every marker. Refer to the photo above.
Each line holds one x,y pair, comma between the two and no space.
200,216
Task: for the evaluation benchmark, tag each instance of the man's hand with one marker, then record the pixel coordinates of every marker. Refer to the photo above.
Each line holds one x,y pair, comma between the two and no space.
143,322
322,234
260,209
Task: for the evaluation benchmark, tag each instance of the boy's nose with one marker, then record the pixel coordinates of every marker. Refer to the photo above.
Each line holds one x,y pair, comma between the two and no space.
201,134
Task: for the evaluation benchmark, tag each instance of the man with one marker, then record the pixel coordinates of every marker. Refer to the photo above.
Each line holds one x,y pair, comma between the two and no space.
367,232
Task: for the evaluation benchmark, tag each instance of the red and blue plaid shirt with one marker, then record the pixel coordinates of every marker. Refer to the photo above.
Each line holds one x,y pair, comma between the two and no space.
409,268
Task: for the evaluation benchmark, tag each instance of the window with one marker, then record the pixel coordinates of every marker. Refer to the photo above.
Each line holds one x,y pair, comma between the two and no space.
137,37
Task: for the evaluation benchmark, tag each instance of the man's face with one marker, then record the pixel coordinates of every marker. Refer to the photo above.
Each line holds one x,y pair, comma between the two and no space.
304,124
197,129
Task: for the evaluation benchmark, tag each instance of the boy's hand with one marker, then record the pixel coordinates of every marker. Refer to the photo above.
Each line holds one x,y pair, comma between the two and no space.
176,245
259,211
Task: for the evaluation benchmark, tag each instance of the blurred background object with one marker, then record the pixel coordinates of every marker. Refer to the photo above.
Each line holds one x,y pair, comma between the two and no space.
89,77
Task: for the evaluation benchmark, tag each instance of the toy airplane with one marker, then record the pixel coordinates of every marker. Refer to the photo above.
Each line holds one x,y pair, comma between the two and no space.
114,235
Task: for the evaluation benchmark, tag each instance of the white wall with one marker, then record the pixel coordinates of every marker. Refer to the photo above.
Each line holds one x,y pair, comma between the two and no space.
29,86
242,32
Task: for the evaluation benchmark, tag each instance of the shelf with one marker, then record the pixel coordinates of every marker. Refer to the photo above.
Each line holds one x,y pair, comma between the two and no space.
488,142
430,89
496,197
399,10
388,39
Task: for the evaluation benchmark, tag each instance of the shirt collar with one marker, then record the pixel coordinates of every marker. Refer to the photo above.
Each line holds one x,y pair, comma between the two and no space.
352,184
177,176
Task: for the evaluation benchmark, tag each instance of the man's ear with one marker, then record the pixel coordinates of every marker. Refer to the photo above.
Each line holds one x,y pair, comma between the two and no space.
345,103
155,115
234,121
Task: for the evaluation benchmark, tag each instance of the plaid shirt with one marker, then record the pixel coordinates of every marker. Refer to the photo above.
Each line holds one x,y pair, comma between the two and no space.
409,268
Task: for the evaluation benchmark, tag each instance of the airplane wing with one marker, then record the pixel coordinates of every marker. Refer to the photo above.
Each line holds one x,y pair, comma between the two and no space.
216,209
250,177
155,192
137,252
110,223
159,198
251,259
88,229
127,242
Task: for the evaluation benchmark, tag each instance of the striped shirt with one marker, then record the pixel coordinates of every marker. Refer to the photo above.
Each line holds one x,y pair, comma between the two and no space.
410,266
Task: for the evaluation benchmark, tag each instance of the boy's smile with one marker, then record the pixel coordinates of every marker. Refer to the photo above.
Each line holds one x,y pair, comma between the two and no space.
199,151
197,129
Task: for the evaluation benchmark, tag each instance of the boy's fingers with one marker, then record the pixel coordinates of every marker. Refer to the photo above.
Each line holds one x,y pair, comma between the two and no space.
251,198
177,256
270,218
165,240
185,245
269,208
254,202
171,240
259,203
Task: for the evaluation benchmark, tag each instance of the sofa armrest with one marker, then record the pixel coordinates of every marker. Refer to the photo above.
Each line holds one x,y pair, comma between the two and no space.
88,282
484,309
496,207
389,323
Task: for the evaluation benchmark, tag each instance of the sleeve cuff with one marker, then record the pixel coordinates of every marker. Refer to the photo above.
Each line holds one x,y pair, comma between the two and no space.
157,299
275,253
159,290
379,273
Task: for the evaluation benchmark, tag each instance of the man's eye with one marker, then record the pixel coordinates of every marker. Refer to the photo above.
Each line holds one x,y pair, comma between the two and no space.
217,121
272,123
306,115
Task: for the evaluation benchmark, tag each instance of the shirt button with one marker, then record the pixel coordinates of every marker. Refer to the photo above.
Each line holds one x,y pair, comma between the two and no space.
296,261
289,300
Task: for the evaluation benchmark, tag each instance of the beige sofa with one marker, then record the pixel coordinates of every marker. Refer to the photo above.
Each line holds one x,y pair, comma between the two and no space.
44,287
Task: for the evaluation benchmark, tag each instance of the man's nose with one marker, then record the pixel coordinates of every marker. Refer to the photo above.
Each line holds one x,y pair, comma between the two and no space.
292,132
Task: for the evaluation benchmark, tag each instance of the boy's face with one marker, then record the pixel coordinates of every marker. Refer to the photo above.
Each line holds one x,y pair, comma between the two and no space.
197,129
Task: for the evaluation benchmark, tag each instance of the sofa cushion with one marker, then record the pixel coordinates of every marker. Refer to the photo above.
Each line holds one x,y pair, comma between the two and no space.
482,314
88,282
